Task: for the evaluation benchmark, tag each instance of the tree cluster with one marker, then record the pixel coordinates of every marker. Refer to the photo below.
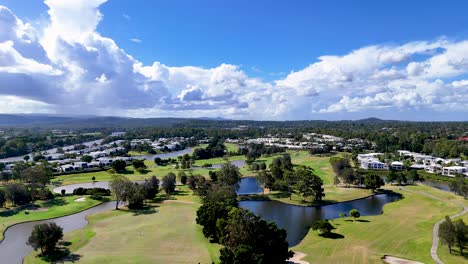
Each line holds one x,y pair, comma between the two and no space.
453,233
133,193
215,149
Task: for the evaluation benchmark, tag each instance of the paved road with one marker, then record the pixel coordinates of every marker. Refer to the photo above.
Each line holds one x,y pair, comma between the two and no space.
435,230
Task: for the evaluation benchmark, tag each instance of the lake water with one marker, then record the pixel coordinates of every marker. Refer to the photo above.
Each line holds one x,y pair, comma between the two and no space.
13,248
168,155
438,185
298,219
249,185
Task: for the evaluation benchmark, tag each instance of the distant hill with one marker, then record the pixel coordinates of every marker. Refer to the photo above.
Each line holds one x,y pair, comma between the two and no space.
57,121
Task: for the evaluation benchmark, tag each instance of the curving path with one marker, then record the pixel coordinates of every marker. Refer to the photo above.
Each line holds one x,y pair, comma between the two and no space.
435,230
435,235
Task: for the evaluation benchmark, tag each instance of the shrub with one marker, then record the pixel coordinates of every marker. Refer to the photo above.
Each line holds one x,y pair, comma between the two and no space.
96,197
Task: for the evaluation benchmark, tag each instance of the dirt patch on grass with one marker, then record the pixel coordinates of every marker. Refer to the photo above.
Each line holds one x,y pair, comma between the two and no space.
395,260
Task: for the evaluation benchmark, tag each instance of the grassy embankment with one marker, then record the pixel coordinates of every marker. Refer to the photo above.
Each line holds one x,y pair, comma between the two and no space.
57,207
403,230
167,233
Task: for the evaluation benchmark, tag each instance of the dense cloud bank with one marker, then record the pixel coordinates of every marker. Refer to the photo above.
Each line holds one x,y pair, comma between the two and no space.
68,67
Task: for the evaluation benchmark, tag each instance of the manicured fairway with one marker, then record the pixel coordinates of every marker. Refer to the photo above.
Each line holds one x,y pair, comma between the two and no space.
168,234
58,207
403,230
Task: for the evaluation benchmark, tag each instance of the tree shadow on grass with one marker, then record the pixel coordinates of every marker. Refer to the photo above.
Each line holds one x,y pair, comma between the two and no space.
358,220
126,172
147,209
144,171
60,254
180,193
332,235
19,209
56,202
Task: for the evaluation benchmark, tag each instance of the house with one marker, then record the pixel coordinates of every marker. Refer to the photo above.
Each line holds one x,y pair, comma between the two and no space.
373,164
94,164
433,168
453,170
67,168
81,165
397,165
105,161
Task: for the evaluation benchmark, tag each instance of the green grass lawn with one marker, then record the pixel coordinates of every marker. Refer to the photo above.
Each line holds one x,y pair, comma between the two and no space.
60,206
403,230
231,147
166,234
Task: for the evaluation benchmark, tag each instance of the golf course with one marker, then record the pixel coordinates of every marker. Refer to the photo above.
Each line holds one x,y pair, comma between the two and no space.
167,232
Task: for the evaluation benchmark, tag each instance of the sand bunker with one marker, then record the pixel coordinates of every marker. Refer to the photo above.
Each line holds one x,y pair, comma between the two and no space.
82,199
395,260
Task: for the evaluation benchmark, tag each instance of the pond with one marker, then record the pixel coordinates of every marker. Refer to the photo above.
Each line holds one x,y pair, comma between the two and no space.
237,163
13,248
298,219
249,185
438,185
69,188
168,155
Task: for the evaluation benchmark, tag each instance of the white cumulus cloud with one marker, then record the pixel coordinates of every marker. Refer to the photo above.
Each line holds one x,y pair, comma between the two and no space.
68,67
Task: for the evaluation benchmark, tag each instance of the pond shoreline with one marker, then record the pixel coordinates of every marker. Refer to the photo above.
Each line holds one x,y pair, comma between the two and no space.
52,218
265,197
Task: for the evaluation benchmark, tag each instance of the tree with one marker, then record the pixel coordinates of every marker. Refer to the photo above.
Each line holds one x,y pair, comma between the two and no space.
45,236
135,195
336,180
459,185
181,174
308,184
391,176
18,170
461,234
138,164
373,181
119,165
37,176
249,239
354,213
220,193
26,158
323,226
169,183
63,191
2,198
93,178
18,194
207,216
413,176
229,175
447,233
266,179
151,187
119,186
86,158
183,179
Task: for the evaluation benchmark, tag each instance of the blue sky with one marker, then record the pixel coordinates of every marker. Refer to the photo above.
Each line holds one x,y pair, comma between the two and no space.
267,40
